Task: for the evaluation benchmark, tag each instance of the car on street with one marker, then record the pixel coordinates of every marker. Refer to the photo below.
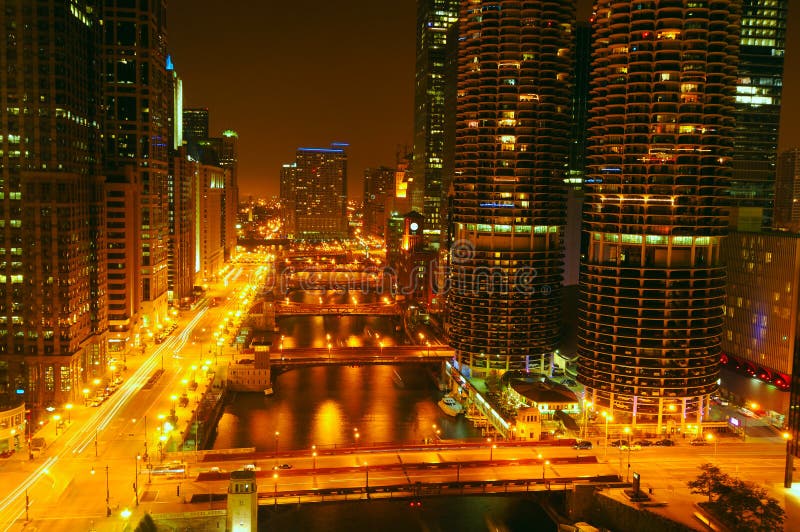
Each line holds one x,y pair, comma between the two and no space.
283,466
617,443
665,443
583,444
643,443
698,441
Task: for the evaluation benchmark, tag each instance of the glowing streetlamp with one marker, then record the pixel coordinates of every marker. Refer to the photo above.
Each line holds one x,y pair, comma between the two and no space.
56,419
85,396
586,406
68,407
608,417
275,478
710,437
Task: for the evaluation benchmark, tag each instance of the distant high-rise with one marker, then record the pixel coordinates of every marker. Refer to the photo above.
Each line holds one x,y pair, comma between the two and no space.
652,280
433,80
195,123
787,191
759,88
515,70
229,160
53,321
319,191
379,186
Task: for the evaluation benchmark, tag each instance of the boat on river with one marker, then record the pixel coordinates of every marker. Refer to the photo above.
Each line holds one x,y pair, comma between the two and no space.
450,406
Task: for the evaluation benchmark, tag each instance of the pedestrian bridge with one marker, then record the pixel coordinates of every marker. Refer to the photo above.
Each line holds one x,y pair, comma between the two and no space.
355,356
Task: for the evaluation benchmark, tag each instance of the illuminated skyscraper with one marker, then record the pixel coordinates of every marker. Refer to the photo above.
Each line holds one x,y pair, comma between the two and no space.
660,140
433,79
759,88
195,123
319,190
53,322
137,96
512,138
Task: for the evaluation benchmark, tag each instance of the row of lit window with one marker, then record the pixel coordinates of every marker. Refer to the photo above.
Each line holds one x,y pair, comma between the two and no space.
662,240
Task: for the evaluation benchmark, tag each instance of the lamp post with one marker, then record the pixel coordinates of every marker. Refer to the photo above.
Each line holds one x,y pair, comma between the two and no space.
275,478
56,418
136,479
108,494
628,472
314,456
586,406
366,482
85,396
68,407
329,351
787,475
356,435
710,437
608,417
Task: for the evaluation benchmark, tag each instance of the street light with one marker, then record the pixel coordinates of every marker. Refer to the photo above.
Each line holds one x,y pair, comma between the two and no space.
68,406
85,396
491,452
108,496
56,418
628,473
787,475
277,435
608,417
275,478
329,350
545,463
136,479
710,437
366,481
356,435
586,406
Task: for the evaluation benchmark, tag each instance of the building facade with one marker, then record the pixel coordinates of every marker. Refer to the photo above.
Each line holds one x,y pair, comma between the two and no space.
787,191
761,304
53,321
759,89
512,139
379,186
652,281
433,79
320,192
137,95
195,123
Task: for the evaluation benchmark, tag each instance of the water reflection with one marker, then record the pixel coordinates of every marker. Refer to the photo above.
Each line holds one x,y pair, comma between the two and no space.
324,406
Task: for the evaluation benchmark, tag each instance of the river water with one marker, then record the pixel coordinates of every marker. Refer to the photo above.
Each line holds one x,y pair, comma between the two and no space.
339,405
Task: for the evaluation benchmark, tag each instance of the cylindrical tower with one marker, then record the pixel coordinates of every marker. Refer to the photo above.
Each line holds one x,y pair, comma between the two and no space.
652,281
512,137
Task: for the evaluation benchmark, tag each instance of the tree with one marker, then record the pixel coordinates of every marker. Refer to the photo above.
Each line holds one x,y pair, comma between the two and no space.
743,506
711,482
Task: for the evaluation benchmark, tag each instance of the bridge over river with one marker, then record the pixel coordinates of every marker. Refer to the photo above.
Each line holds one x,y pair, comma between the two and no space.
346,356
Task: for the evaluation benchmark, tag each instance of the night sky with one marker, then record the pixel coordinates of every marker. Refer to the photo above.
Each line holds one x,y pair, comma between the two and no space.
312,72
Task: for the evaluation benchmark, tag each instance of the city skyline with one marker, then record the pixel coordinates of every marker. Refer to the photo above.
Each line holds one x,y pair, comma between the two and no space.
376,121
